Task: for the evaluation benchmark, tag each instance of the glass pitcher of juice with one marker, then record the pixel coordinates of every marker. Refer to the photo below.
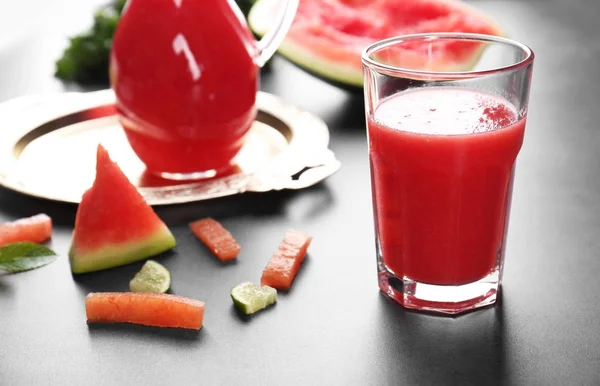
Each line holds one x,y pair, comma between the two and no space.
185,76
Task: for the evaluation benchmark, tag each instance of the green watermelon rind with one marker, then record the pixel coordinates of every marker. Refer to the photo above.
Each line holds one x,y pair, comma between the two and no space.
114,255
300,56
337,72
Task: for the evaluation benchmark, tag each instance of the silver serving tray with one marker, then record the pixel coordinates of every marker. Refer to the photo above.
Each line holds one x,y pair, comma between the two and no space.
48,146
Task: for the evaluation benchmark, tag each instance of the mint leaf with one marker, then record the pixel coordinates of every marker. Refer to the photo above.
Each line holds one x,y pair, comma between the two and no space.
19,257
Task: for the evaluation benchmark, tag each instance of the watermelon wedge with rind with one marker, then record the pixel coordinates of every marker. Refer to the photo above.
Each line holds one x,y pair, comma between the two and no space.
114,225
327,37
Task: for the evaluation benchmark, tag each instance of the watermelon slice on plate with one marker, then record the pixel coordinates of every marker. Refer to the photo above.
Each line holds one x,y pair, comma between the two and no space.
114,225
328,36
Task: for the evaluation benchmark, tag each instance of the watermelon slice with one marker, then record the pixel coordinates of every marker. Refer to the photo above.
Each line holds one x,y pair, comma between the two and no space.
114,225
148,309
216,238
285,263
34,229
328,36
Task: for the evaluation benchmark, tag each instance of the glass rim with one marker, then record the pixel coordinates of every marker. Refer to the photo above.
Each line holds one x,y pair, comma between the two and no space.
431,36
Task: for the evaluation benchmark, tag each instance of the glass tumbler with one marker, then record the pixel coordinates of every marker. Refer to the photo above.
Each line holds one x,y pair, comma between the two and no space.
446,116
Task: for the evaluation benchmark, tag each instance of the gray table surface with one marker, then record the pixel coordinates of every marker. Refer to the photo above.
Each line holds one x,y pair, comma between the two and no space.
334,327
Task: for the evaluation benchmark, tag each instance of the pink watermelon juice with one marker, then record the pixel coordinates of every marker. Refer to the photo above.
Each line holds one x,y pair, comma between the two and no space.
441,167
171,92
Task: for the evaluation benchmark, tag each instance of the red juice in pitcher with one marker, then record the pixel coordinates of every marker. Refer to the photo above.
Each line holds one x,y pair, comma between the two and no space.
441,166
185,79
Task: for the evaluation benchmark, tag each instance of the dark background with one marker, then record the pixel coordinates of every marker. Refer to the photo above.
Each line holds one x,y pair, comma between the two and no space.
334,327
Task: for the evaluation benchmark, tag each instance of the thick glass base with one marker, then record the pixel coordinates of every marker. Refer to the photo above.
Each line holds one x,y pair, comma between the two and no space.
195,176
188,176
445,299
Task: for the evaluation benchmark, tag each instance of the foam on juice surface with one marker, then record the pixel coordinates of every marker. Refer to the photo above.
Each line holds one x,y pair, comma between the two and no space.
445,111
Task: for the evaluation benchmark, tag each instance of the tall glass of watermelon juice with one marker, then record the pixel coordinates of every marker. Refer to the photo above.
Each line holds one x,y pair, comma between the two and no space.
446,118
